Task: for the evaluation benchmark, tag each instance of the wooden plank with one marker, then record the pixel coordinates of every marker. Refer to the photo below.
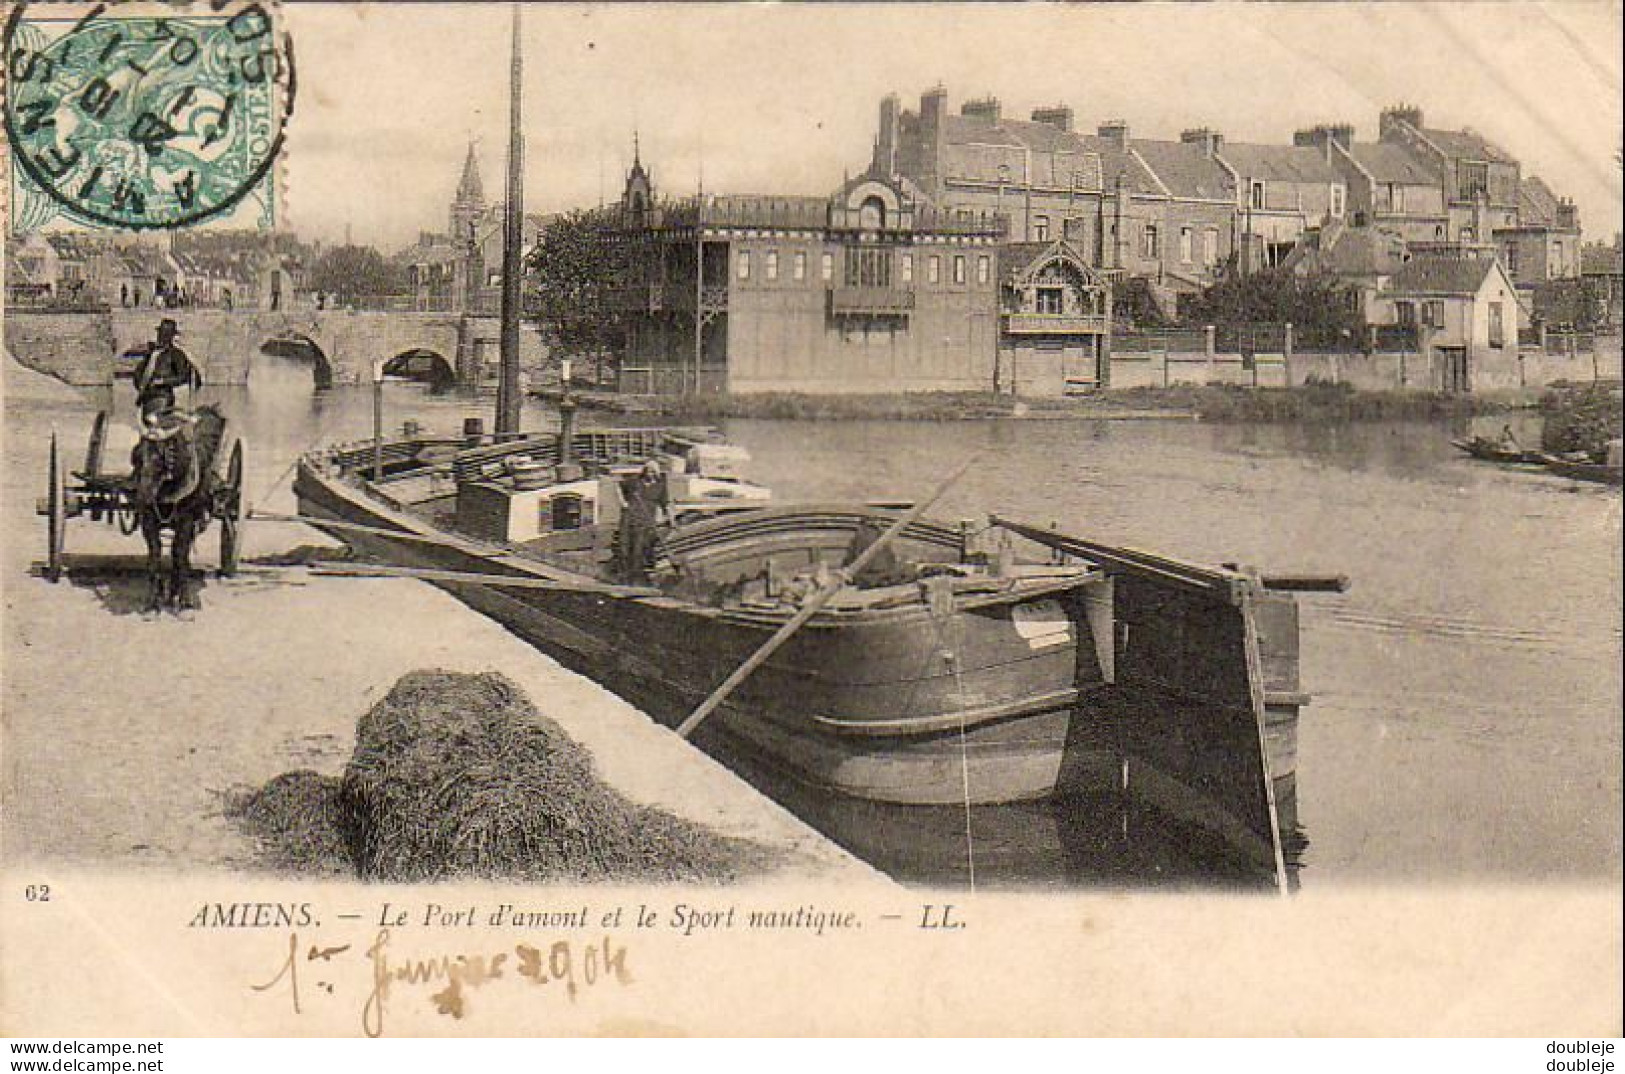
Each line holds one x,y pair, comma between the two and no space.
515,581
1223,584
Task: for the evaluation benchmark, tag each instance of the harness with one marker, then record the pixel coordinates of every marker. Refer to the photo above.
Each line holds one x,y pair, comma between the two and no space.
167,440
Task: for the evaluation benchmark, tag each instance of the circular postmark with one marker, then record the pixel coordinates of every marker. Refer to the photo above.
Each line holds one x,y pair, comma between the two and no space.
144,115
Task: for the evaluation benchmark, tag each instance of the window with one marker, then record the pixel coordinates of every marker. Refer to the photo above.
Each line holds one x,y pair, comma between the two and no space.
908,268
868,266
826,266
1040,229
1210,247
744,264
872,214
1396,197
1497,326
1510,255
983,268
1050,300
771,263
1148,242
1187,244
933,269
1474,180
799,270
1258,194
959,268
1433,313
1467,234
1405,313
1337,201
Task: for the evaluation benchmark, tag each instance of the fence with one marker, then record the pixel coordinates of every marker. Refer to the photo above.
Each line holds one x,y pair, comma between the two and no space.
672,380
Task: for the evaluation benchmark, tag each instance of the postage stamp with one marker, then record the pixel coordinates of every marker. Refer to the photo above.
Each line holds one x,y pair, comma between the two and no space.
146,116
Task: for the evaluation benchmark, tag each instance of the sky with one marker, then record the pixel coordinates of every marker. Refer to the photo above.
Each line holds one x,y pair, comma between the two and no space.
783,98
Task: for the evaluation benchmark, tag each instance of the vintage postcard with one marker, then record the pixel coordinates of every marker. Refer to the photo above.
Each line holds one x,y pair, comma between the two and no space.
858,519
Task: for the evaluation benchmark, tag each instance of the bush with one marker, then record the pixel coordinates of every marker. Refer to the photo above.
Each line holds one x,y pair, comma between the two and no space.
1580,418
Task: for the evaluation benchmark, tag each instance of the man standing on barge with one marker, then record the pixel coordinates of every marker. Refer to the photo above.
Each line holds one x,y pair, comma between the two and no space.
644,499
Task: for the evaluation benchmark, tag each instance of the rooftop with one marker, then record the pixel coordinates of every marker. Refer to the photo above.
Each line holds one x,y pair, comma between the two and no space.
1443,275
1279,163
1060,160
1185,169
1468,144
1390,163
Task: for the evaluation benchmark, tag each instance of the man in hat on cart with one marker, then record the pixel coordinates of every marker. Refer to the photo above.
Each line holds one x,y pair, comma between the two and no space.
165,368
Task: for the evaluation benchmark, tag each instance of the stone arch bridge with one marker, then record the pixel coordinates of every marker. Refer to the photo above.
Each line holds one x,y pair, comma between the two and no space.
340,345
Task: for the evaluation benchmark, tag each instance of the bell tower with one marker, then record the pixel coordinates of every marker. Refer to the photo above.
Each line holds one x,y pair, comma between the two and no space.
469,205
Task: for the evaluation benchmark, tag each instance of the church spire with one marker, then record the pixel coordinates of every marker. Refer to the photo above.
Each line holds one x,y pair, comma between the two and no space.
468,207
469,189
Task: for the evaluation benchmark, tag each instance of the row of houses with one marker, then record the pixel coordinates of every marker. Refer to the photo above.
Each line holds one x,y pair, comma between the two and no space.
983,251
226,270
1173,212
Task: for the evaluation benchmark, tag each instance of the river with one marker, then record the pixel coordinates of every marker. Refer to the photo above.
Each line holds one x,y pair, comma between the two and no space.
1466,722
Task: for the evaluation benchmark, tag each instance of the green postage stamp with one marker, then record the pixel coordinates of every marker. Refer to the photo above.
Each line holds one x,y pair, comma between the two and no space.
142,116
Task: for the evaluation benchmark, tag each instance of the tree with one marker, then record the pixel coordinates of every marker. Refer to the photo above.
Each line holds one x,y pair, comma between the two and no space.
351,273
1318,306
576,280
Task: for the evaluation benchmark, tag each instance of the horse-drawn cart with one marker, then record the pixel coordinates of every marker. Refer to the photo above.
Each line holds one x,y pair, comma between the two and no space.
118,498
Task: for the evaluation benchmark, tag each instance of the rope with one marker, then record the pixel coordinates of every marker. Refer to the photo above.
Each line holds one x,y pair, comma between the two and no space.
321,433
964,770
952,656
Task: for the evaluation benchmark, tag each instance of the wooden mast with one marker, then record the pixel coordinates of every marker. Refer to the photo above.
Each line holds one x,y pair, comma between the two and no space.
513,230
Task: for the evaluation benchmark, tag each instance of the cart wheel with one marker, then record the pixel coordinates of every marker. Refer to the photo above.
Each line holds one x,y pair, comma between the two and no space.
230,509
98,445
56,516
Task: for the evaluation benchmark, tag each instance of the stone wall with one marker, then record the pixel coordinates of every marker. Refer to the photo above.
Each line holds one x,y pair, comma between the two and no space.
73,347
1399,371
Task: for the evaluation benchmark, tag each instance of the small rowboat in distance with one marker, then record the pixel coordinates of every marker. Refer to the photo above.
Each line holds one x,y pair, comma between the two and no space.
1482,447
1601,472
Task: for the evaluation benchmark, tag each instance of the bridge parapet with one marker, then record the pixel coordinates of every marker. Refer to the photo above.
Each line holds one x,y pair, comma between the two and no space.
83,348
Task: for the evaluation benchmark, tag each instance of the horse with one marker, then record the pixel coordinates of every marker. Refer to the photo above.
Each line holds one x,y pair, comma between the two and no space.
174,489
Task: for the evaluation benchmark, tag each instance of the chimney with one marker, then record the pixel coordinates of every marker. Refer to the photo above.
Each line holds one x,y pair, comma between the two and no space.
886,143
932,140
1568,214
985,109
1209,140
1059,116
1114,131
1323,136
1398,114
933,102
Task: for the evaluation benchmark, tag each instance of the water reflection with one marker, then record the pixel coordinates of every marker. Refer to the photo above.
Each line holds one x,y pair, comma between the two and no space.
1109,826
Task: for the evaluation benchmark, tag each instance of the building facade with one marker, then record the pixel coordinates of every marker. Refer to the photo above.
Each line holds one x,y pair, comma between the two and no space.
1479,181
1282,191
1160,212
869,290
1465,313
1545,242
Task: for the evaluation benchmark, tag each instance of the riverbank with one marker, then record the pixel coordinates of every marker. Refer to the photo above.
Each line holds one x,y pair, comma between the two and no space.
1319,402
126,736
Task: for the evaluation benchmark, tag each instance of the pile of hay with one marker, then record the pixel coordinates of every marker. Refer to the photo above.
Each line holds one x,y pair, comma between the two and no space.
457,775
299,823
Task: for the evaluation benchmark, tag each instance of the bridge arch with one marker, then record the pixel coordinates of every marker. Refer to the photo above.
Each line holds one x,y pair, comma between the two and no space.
424,366
298,347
